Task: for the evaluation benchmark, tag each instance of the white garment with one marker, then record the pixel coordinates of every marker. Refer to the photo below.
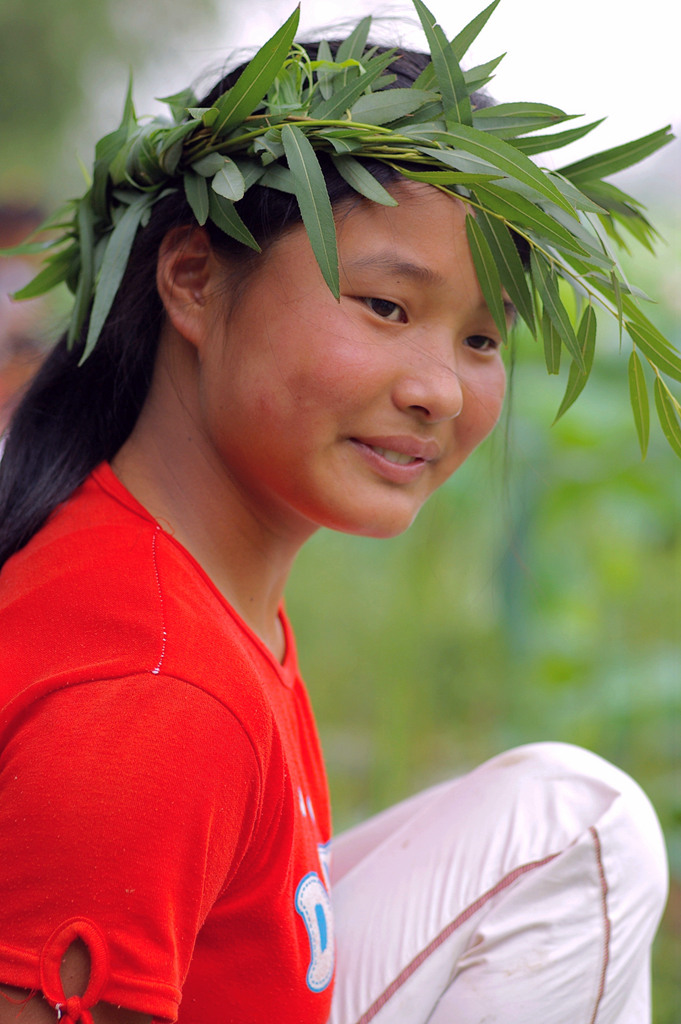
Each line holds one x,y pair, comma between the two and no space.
526,892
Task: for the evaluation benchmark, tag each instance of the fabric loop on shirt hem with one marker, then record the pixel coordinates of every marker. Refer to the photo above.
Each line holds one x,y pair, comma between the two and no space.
75,1008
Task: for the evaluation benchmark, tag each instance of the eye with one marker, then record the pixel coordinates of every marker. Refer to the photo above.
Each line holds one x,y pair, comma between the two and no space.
481,343
386,309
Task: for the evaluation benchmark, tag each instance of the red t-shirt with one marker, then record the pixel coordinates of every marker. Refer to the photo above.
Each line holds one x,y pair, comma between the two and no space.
162,791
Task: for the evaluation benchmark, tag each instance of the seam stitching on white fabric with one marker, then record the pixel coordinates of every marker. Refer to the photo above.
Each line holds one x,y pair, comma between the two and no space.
421,957
606,921
155,671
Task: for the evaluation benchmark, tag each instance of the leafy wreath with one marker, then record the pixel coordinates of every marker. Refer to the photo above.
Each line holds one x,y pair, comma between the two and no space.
285,108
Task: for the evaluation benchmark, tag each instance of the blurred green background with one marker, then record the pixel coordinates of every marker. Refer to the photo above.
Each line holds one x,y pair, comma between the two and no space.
538,595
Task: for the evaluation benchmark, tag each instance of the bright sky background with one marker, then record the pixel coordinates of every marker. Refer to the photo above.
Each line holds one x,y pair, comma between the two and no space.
596,57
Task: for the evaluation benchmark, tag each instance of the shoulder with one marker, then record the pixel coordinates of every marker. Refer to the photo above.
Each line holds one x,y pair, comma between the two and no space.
102,593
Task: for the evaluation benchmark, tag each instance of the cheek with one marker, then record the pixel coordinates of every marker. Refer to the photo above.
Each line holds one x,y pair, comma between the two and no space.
483,403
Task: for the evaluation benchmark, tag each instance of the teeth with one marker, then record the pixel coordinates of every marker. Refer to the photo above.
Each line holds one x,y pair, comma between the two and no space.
398,457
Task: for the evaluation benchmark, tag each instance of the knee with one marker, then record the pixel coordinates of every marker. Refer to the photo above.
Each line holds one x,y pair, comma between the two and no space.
580,791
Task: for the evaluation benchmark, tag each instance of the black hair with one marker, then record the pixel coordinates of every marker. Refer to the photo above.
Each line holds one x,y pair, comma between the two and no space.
73,416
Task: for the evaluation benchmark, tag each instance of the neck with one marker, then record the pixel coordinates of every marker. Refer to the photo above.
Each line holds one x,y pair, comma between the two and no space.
172,468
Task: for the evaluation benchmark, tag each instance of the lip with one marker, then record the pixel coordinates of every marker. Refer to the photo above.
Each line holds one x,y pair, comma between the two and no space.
416,448
422,452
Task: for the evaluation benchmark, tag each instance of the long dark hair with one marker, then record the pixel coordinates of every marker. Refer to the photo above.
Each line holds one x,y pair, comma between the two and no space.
74,417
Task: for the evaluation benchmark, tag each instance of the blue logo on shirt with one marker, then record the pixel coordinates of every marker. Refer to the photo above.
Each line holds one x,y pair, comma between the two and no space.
314,906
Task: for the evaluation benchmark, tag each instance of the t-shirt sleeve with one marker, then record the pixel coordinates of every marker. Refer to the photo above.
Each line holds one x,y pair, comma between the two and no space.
128,805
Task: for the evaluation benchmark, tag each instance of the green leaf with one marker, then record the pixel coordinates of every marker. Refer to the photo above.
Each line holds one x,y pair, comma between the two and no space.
609,161
552,344
487,274
507,120
224,215
255,80
668,415
86,240
638,393
578,376
278,177
179,103
383,107
324,73
578,199
471,31
510,266
654,346
196,191
229,181
445,177
545,282
501,154
344,98
208,165
113,267
314,203
521,211
353,46
54,273
555,140
455,99
478,77
356,175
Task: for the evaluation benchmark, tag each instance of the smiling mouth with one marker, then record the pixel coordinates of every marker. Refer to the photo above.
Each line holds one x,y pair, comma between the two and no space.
399,458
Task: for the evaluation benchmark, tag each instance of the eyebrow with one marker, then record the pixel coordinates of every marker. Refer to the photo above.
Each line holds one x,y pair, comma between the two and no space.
395,265
416,271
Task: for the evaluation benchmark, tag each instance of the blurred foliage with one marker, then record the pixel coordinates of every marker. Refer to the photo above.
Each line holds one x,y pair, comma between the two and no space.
538,596
55,59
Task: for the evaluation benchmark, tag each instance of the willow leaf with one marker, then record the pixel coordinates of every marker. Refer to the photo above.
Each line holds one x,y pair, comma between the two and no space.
478,77
668,415
555,140
196,191
314,203
257,77
224,215
510,266
229,181
54,273
179,103
666,359
577,377
324,73
501,154
353,46
362,180
638,393
487,274
446,177
609,161
507,120
278,177
552,344
470,32
519,210
208,165
344,98
383,107
455,98
113,267
547,286
86,239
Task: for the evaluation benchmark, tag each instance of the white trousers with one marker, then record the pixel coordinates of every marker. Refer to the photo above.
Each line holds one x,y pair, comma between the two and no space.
526,892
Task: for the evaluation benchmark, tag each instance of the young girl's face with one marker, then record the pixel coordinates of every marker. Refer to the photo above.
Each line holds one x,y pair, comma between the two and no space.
350,414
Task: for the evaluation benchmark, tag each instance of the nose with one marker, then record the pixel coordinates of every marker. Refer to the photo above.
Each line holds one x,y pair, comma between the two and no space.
430,387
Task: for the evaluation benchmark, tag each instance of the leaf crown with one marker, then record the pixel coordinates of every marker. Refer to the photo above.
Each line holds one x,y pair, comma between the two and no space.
286,108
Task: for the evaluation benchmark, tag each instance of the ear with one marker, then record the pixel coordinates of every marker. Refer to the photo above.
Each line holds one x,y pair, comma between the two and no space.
187,277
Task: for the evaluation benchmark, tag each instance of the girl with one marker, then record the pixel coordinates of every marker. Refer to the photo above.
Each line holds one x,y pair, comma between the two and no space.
166,840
